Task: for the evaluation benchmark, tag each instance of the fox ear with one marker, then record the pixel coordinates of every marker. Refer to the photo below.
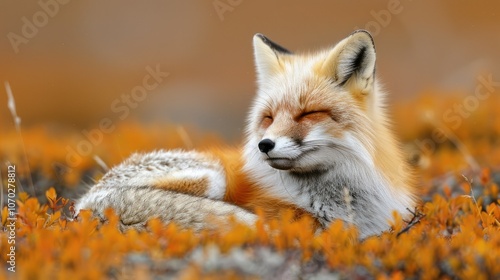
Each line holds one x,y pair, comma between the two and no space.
353,59
267,55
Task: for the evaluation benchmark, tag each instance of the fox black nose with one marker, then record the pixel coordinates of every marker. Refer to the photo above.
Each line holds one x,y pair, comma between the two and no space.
266,145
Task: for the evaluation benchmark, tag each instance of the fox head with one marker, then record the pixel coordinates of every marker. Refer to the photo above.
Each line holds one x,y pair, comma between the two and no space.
315,111
318,135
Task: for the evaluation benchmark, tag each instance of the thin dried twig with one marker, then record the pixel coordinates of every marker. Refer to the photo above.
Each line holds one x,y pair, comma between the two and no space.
11,104
1,191
101,163
471,196
415,219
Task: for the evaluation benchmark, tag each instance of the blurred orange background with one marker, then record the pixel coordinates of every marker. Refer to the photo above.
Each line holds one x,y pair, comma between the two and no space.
71,62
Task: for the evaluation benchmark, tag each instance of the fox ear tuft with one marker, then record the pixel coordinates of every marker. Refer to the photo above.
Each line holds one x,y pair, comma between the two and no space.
353,59
267,55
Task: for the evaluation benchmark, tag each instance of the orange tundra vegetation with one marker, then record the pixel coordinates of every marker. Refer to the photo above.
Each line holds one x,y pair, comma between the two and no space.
455,233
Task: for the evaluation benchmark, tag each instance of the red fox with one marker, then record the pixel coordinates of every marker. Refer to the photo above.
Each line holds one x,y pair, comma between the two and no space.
318,142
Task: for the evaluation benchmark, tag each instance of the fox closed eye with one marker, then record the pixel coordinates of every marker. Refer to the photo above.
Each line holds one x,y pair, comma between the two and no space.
309,113
315,115
267,120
